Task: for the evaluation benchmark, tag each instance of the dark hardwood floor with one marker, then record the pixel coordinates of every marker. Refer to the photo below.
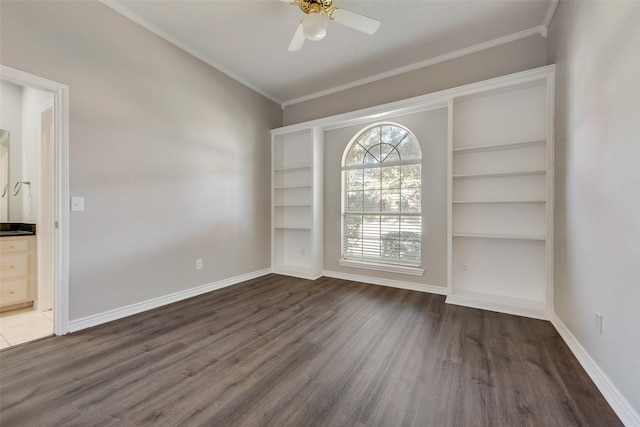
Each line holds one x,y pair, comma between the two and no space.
281,351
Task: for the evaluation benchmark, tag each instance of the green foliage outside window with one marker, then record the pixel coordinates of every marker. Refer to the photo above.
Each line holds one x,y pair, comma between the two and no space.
382,205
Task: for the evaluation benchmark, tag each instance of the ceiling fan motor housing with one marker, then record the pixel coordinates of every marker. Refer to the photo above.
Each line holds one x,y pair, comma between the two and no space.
316,6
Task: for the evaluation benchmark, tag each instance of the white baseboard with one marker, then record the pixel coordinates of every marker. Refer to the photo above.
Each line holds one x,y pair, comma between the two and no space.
119,313
440,290
619,404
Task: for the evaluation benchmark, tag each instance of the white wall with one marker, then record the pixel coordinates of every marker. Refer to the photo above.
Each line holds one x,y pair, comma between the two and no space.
11,120
171,155
596,46
430,128
33,102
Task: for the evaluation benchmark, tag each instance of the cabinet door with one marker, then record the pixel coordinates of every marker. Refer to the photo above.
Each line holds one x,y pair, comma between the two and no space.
13,291
8,245
14,266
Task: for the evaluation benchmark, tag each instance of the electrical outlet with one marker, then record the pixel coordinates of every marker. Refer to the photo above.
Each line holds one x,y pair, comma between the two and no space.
464,268
199,264
598,319
301,251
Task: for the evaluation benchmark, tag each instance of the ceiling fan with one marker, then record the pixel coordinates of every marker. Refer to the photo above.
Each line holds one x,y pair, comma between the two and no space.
313,25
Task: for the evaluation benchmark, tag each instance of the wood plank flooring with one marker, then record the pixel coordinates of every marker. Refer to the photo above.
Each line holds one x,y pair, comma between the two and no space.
281,351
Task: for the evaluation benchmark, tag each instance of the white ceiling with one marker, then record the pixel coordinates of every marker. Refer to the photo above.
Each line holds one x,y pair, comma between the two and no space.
248,39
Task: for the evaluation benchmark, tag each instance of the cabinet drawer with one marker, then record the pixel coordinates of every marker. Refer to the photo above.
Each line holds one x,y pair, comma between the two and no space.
14,291
8,246
14,266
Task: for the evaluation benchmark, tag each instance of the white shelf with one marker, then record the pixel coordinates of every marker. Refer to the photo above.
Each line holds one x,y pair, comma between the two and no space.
498,147
292,227
294,168
500,236
292,196
499,174
291,187
501,299
295,271
488,301
531,187
496,201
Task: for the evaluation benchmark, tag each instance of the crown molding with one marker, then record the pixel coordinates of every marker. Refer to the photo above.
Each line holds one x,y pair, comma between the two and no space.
549,16
127,13
539,30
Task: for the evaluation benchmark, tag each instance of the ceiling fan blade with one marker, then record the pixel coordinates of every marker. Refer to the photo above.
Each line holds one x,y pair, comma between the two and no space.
356,21
298,39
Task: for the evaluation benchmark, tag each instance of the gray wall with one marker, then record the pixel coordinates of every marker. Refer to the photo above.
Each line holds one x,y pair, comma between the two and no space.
596,46
430,128
171,156
519,55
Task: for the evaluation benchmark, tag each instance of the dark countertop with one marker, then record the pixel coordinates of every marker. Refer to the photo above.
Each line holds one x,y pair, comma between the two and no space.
10,229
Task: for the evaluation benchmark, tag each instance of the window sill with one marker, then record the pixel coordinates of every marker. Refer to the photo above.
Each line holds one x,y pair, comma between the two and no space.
389,268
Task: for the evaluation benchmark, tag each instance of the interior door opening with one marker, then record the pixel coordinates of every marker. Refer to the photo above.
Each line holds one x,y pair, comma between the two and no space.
33,222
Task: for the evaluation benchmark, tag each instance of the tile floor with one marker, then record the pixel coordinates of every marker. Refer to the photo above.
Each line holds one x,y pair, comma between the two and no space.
21,326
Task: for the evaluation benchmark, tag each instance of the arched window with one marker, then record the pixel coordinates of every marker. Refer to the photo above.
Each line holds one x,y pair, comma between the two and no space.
381,196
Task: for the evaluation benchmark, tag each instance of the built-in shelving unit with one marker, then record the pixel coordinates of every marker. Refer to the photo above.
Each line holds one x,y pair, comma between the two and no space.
297,203
499,190
500,193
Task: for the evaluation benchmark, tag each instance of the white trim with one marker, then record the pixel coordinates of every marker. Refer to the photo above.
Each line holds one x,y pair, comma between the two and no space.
129,310
390,268
432,289
127,13
41,250
619,404
61,188
450,196
539,30
549,16
550,201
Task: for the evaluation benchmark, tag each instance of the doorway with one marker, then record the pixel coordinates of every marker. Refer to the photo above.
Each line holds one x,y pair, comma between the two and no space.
36,225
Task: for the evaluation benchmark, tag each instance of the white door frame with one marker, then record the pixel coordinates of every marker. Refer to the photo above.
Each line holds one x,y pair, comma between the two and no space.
61,188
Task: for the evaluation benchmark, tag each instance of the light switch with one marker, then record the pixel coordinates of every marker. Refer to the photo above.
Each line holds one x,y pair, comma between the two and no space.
77,204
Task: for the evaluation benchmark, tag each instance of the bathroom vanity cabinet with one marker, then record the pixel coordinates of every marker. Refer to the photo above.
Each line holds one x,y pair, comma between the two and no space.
18,273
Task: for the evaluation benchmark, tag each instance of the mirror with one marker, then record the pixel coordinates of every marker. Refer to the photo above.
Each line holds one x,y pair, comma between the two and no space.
4,175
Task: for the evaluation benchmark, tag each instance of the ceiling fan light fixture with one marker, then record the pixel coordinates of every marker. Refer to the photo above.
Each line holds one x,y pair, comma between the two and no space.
317,13
314,26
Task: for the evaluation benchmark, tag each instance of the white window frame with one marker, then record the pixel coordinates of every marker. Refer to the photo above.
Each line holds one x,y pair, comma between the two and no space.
376,263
